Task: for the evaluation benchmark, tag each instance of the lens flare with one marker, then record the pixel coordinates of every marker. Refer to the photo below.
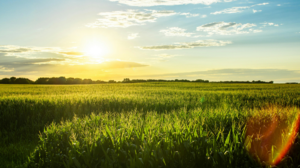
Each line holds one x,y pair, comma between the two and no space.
270,136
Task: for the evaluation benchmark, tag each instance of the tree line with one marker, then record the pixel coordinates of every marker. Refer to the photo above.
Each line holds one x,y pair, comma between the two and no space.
63,80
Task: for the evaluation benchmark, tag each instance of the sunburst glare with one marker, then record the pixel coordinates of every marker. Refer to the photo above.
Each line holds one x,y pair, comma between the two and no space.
96,50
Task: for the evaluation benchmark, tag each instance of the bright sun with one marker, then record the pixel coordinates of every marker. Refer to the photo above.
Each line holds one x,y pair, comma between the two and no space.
96,50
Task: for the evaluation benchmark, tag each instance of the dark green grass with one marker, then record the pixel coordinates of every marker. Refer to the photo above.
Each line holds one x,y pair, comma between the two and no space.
26,110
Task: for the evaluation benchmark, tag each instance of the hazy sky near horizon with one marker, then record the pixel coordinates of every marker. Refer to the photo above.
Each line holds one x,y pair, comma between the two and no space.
146,39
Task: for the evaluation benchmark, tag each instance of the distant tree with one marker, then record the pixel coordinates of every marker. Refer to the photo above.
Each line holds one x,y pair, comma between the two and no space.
126,80
138,80
5,81
70,81
13,80
202,81
53,80
42,80
77,81
23,81
62,80
87,81
111,81
100,81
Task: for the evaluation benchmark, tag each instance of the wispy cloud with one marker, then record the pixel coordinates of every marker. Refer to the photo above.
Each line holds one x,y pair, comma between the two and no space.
43,55
167,2
236,9
187,45
3,69
132,36
176,31
269,24
226,28
72,53
11,50
277,75
128,18
188,15
25,66
255,11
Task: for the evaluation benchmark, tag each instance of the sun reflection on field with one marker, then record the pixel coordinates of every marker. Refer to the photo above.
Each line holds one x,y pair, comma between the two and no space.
270,134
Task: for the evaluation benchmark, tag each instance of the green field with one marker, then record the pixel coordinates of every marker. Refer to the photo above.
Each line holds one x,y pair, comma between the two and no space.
139,125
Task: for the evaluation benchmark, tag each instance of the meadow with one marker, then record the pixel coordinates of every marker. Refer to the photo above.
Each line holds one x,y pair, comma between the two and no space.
153,124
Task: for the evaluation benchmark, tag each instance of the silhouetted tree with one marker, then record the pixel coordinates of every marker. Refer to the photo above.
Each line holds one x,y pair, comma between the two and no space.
87,81
53,80
70,81
13,80
111,81
23,81
77,81
100,81
5,81
126,80
42,80
62,80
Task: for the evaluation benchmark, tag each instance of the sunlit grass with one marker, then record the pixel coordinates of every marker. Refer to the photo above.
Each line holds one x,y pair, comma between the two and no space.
140,125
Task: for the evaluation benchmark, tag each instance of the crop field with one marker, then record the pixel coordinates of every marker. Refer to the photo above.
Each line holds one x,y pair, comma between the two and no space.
150,125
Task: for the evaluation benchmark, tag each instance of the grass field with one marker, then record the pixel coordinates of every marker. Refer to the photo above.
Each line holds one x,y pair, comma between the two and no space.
144,124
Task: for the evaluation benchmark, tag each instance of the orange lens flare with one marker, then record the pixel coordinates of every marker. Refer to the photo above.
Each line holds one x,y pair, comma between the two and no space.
269,137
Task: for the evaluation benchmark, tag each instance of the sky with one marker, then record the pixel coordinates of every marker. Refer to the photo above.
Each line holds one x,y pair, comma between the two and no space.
216,40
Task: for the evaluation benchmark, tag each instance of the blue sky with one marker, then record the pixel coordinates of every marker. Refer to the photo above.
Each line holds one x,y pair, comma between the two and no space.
142,39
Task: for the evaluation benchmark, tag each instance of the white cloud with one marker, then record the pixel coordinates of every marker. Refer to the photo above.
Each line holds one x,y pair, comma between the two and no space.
134,17
187,45
263,4
133,36
237,9
167,2
231,10
255,11
175,31
128,18
188,15
225,28
278,4
270,24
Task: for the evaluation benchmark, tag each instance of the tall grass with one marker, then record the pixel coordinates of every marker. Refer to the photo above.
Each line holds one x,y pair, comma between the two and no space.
179,122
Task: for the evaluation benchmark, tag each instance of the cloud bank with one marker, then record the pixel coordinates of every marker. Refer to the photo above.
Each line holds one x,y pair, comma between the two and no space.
167,2
187,45
277,75
226,28
237,9
176,31
128,18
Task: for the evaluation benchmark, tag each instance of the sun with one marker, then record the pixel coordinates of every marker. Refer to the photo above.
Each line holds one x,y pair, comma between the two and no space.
96,50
